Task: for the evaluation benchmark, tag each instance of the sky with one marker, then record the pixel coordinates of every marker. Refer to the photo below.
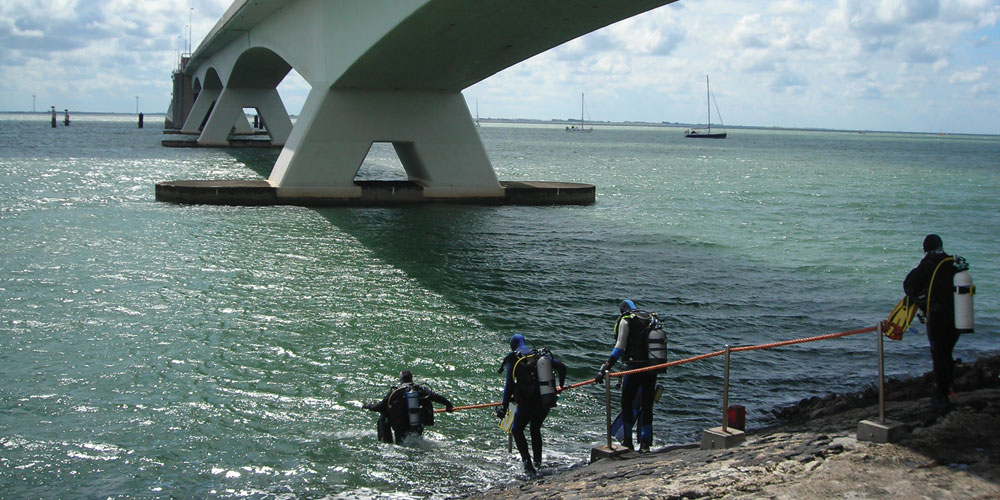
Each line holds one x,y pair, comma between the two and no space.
904,65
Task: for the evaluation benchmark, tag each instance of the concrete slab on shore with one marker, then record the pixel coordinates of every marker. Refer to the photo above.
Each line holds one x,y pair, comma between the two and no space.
233,143
373,193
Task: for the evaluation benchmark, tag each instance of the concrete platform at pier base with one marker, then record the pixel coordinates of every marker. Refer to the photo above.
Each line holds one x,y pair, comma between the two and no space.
233,143
174,131
717,439
373,193
877,432
602,452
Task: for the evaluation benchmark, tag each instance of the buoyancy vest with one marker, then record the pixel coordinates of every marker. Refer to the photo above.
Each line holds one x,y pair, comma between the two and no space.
637,344
410,407
534,381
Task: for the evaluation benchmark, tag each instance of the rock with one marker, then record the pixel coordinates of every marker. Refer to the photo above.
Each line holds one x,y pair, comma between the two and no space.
814,453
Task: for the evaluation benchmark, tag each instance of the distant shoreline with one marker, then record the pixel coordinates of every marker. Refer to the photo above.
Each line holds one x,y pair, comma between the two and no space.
569,122
679,125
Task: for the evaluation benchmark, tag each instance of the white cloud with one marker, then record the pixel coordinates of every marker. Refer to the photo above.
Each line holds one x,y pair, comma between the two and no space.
657,33
976,75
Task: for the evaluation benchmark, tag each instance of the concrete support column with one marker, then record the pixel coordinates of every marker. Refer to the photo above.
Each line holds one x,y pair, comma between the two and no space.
433,134
274,115
229,109
242,124
181,102
202,107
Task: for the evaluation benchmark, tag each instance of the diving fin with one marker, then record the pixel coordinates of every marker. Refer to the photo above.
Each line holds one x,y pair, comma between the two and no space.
899,319
507,421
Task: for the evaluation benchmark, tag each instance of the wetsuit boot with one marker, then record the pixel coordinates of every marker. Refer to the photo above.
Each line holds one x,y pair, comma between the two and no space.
528,468
645,438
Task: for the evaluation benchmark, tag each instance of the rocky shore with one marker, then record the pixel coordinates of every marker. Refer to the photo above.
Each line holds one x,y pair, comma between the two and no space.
814,453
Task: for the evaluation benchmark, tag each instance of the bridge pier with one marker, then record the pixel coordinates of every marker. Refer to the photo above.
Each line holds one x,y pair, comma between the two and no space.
228,111
432,132
380,71
202,106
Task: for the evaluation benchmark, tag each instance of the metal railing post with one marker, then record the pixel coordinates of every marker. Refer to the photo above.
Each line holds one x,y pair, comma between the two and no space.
881,377
725,394
607,406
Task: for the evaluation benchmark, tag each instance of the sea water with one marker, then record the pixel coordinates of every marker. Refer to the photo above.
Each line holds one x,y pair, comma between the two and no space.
152,350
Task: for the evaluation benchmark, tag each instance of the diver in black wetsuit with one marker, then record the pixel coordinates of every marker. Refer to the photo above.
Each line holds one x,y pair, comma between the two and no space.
941,332
631,333
522,388
406,409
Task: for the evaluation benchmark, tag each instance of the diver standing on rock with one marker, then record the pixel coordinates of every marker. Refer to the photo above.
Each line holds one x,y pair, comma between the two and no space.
945,301
406,409
640,340
530,386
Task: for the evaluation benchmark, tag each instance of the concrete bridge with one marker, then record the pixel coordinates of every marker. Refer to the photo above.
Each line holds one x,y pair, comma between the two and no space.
381,71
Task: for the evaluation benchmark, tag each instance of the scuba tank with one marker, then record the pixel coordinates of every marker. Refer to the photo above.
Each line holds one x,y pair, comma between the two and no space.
546,379
413,406
657,343
964,290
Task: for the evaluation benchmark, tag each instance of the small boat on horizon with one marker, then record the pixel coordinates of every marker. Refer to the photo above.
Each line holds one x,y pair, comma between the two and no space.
581,128
706,133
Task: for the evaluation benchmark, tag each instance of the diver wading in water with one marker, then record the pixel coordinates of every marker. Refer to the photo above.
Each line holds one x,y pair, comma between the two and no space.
640,340
530,386
406,409
942,288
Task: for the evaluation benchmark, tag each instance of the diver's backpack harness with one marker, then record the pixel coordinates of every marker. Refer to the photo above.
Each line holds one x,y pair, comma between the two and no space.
419,409
647,342
534,381
963,289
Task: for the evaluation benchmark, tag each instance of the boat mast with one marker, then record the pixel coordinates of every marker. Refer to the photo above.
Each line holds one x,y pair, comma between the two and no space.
708,104
581,110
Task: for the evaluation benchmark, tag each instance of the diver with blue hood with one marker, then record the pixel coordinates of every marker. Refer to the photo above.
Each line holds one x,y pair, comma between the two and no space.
406,409
634,343
530,386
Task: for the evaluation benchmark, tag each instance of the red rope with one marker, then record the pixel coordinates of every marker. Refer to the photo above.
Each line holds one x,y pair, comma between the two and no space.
691,360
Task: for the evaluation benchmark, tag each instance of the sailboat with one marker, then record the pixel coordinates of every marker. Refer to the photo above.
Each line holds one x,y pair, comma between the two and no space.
574,128
706,133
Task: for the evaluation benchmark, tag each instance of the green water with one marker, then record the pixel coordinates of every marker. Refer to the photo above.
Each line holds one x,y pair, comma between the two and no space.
151,350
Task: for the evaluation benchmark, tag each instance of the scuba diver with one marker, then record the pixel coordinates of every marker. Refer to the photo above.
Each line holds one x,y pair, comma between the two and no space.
638,345
406,409
530,385
944,302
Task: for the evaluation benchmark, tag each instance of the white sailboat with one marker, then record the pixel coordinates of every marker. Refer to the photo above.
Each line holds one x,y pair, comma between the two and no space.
706,133
581,128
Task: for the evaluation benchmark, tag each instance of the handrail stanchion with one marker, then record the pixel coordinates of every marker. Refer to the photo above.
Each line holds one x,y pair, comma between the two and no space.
883,431
607,407
881,377
725,394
